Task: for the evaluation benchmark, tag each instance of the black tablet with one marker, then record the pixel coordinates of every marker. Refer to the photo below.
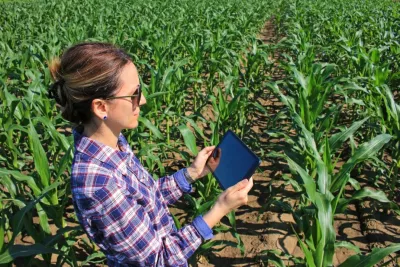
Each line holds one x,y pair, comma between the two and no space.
232,161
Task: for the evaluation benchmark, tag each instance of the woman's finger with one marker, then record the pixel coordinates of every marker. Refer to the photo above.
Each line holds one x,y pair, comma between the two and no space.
239,186
249,185
206,151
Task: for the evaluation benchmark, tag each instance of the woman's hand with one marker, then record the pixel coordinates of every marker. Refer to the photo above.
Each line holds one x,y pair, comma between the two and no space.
232,198
198,168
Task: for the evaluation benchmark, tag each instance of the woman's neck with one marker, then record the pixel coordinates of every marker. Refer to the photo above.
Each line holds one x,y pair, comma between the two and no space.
101,133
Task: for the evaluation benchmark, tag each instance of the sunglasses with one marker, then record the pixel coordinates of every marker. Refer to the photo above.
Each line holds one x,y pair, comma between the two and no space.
135,97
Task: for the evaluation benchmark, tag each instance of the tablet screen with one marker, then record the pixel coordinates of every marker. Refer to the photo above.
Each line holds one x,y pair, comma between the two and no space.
232,161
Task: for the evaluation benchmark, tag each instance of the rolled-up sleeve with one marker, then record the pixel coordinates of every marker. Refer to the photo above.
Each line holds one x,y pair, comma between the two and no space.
131,237
173,186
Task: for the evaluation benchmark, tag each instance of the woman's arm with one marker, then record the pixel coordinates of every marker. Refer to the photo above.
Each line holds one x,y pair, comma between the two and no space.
172,187
130,236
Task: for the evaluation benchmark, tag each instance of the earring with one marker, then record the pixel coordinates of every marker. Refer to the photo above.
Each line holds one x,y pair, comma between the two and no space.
105,117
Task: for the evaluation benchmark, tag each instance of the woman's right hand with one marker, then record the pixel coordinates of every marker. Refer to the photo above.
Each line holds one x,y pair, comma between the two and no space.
232,198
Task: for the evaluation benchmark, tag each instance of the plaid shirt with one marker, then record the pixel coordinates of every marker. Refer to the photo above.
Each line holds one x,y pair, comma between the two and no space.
124,210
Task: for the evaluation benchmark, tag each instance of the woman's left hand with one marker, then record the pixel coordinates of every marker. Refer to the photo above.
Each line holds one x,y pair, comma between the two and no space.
198,168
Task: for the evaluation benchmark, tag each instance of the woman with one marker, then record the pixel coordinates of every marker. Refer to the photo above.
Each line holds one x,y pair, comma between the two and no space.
118,204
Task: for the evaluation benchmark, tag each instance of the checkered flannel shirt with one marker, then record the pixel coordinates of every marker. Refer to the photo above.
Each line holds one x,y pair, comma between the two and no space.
124,210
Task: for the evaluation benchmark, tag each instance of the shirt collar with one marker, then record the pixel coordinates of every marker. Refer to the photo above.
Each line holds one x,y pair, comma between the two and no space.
102,152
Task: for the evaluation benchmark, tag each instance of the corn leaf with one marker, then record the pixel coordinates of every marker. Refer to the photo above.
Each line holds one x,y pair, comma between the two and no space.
39,156
22,178
325,246
367,193
151,127
364,151
189,139
16,251
337,139
371,259
308,181
348,245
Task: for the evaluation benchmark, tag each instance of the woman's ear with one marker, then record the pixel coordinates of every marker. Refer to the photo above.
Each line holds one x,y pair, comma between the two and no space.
99,108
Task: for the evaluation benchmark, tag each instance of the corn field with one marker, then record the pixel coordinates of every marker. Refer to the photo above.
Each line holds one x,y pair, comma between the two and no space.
334,67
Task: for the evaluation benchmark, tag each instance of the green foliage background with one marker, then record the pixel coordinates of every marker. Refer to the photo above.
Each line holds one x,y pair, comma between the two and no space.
204,69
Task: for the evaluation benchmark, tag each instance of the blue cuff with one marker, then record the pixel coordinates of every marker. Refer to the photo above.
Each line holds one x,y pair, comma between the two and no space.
203,228
181,181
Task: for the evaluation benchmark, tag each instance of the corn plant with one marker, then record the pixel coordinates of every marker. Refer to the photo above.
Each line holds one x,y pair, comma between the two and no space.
322,190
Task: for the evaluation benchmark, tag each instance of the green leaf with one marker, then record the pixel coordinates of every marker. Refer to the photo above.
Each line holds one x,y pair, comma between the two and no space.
151,127
364,193
41,162
195,126
307,253
286,100
154,95
61,139
371,259
18,217
10,185
16,251
323,177
325,246
308,181
348,245
65,162
364,151
2,222
50,240
272,257
22,178
177,222
189,139
308,136
43,219
392,107
374,194
337,139
300,79
232,106
232,219
355,184
93,256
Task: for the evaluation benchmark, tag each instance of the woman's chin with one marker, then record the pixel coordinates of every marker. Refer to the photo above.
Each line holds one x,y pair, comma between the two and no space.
133,125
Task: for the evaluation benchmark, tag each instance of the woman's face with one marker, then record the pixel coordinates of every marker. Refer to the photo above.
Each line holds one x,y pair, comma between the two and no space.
124,112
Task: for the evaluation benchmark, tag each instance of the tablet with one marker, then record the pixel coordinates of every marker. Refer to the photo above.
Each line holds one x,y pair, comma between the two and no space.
232,161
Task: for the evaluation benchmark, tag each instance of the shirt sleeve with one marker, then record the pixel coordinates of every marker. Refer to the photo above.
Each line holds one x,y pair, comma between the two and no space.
131,237
172,187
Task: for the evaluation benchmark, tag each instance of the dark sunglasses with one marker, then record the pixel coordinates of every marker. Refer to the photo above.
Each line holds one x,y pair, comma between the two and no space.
135,97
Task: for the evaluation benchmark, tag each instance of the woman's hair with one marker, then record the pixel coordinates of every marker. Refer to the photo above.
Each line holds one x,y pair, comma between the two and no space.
85,72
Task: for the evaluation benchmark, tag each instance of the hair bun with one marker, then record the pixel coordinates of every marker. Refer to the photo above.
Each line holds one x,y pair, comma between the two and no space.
56,91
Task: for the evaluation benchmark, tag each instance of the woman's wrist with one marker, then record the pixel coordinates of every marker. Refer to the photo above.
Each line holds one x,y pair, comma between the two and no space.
215,214
188,175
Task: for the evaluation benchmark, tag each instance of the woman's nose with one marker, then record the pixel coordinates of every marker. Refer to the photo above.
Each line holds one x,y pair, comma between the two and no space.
142,100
